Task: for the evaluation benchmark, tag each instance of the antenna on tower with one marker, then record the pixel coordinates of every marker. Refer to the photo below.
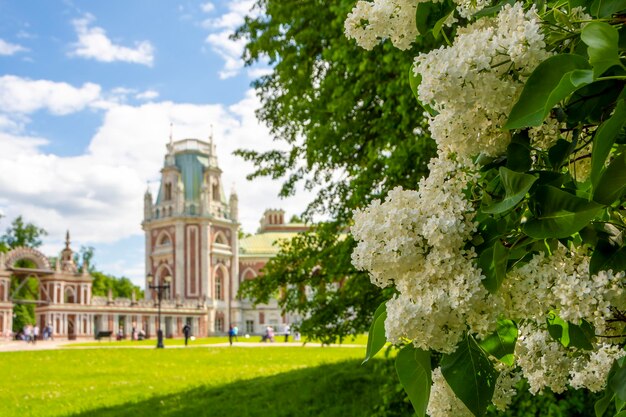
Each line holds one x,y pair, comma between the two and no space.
171,132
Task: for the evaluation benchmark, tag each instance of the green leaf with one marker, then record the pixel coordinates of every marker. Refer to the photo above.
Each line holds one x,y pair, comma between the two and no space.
604,138
470,374
439,25
376,338
414,82
428,14
552,81
601,39
490,11
414,372
501,343
516,185
605,8
518,154
617,381
493,262
612,183
559,152
603,403
571,335
559,214
607,256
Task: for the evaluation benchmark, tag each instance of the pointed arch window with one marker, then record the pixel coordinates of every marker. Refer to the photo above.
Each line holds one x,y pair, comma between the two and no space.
219,285
168,191
215,191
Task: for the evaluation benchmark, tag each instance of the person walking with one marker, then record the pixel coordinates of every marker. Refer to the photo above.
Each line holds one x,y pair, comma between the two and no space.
186,332
35,333
236,333
27,333
287,333
231,334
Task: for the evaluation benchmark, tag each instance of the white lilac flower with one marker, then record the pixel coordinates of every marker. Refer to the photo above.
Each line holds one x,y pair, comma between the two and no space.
370,22
443,402
591,371
474,83
544,362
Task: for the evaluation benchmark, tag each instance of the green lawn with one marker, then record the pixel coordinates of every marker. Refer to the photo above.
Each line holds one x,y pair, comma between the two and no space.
357,340
228,381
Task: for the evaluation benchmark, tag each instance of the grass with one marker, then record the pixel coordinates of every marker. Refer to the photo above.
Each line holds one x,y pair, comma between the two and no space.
269,381
356,340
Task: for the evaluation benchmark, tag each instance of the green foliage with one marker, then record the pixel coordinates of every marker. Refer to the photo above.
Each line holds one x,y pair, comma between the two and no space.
27,235
602,41
21,234
414,372
572,335
501,344
470,374
376,338
516,185
558,214
615,393
325,100
552,81
85,257
120,286
339,300
493,262
604,139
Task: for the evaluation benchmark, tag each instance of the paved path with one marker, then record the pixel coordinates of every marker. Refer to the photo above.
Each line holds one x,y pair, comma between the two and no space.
14,346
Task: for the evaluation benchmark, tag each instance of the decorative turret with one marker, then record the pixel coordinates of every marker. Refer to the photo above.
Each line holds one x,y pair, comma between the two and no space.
190,183
67,257
234,205
147,204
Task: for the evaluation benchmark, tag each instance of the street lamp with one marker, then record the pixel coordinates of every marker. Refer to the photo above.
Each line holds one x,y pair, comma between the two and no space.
160,288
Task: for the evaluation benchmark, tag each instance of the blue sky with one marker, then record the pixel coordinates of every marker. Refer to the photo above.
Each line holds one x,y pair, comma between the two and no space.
87,94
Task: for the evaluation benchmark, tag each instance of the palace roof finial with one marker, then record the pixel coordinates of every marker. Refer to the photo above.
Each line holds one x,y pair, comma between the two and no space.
67,239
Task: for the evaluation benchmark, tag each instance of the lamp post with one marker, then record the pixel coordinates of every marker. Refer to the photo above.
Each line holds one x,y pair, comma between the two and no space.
160,289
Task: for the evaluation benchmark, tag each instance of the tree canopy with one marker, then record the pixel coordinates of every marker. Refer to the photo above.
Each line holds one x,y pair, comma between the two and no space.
21,234
351,133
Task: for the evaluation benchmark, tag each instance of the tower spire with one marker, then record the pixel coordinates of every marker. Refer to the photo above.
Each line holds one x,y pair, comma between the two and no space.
67,239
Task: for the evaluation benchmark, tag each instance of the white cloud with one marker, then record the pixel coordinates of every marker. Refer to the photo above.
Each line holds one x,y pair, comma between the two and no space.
93,43
99,195
147,95
219,39
22,95
207,7
7,48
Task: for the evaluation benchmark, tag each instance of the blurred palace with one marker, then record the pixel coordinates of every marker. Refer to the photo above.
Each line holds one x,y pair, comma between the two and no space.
192,243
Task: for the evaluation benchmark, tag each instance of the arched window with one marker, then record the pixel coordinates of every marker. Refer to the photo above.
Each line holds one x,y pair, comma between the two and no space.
249,274
69,296
168,191
164,240
220,239
219,322
215,191
219,290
